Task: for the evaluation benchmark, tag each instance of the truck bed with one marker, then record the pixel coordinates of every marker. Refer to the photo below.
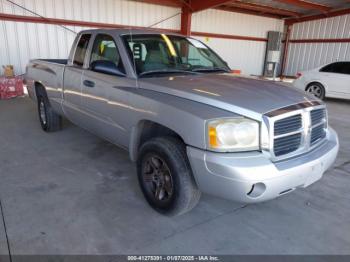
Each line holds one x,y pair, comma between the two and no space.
48,72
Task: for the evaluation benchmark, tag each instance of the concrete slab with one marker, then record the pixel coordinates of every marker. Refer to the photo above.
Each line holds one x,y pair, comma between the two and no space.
311,221
71,181
72,193
4,252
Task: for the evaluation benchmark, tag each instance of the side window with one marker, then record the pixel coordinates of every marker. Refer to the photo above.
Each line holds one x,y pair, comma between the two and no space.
139,51
338,68
105,49
347,68
328,68
80,50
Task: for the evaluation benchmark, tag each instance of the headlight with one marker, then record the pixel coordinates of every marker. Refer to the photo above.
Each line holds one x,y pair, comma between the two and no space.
233,134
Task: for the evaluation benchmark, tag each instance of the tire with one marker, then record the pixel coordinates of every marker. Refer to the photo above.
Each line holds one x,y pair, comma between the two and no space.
165,176
317,90
49,120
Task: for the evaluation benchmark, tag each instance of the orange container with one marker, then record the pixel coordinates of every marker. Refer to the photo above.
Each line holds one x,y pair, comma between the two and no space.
236,71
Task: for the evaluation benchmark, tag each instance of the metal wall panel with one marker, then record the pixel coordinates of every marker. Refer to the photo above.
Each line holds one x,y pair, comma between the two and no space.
222,22
247,56
305,56
20,42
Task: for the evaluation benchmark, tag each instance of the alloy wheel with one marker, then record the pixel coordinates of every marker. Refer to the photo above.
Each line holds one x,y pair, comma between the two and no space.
157,179
315,90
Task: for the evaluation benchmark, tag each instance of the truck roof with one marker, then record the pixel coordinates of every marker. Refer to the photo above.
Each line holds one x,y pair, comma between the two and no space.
127,31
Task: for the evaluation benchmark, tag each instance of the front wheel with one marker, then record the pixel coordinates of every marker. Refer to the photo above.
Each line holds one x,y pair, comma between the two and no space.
317,90
165,176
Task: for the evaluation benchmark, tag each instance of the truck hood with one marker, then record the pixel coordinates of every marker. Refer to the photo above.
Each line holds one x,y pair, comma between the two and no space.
247,96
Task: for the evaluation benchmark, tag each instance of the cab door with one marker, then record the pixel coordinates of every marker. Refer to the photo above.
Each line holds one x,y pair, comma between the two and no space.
337,78
72,101
105,93
345,80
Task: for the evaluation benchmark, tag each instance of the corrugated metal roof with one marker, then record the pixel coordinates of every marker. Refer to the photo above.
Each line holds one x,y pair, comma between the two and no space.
271,8
276,4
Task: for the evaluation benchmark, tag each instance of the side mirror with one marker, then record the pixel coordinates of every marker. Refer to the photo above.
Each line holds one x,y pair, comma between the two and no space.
106,67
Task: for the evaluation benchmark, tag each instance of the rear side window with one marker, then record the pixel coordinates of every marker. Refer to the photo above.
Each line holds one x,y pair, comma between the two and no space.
338,68
105,49
347,68
327,68
80,51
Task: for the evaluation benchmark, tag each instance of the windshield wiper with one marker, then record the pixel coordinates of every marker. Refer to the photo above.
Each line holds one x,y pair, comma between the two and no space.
165,71
211,69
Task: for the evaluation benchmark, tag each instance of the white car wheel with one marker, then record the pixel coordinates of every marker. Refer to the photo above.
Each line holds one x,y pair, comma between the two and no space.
317,90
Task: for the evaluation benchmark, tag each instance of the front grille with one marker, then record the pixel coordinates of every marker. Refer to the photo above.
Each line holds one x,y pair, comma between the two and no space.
298,132
317,116
318,122
287,125
318,133
287,144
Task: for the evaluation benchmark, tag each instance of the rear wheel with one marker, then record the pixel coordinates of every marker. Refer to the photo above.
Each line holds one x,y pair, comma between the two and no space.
49,120
165,176
317,90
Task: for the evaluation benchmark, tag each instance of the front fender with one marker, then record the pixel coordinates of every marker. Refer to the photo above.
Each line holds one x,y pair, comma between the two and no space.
184,117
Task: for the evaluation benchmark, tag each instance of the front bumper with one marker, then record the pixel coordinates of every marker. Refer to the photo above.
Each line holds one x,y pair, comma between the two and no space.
253,177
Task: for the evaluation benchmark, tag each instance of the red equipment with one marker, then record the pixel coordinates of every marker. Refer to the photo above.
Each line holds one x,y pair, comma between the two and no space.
11,87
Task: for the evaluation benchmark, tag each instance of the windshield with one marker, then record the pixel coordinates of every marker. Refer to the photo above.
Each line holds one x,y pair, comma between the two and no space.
160,54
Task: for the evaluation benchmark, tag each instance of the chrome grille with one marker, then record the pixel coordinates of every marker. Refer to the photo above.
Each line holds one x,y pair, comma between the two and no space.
317,116
318,133
287,144
287,125
296,129
319,125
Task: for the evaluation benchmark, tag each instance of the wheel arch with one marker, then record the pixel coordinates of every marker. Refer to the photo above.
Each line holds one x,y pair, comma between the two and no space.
315,82
39,89
145,130
321,84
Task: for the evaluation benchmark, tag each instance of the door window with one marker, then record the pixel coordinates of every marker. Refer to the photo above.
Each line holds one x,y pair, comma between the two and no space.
327,68
347,68
80,50
105,49
338,68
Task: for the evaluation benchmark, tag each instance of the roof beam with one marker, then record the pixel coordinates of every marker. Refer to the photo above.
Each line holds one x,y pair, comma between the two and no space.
173,3
59,21
186,17
265,9
249,12
319,16
224,36
200,5
307,5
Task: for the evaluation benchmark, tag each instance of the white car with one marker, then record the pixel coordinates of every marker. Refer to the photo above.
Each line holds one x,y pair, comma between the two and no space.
332,80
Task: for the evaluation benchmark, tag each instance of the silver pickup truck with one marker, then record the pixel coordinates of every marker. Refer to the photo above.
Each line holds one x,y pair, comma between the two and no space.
189,124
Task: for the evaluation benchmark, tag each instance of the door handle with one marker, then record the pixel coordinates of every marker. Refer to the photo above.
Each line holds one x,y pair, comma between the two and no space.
89,83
